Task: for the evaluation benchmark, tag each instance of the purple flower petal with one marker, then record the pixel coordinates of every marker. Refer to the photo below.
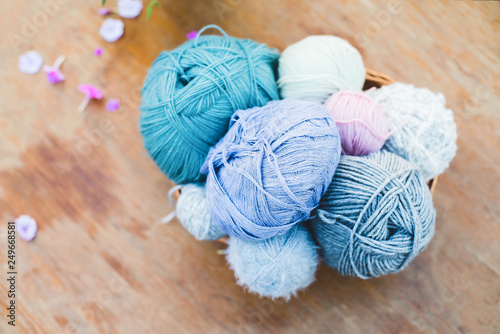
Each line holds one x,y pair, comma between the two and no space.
113,105
54,75
91,91
105,11
129,9
98,51
26,227
192,34
111,30
30,62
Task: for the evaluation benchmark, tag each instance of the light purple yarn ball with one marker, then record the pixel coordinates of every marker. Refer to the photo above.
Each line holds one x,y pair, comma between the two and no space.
269,171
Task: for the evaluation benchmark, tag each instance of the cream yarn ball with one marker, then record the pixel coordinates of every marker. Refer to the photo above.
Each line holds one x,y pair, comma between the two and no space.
318,66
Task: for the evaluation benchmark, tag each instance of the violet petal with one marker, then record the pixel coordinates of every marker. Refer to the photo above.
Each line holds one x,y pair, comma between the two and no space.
26,227
192,34
113,105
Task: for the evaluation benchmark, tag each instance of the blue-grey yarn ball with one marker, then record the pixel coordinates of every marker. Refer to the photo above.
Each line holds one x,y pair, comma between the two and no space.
375,217
269,171
276,267
190,94
191,209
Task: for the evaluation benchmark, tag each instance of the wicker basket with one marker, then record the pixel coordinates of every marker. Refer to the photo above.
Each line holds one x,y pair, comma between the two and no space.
372,79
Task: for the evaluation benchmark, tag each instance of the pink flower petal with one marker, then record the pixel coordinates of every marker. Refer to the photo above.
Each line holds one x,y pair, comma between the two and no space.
30,62
91,91
129,9
54,75
111,30
98,51
192,34
26,227
105,11
113,105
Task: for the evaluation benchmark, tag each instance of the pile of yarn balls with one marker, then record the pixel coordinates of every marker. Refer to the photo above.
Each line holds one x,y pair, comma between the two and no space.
290,159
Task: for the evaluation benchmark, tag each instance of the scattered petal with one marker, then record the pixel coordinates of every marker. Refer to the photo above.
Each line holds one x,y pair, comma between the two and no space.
192,34
111,30
98,51
129,9
54,75
105,11
113,105
30,62
26,227
91,91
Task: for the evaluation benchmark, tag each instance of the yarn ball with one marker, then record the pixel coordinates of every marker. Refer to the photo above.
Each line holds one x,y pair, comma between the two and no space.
276,267
318,66
269,171
191,92
423,129
362,125
191,209
375,217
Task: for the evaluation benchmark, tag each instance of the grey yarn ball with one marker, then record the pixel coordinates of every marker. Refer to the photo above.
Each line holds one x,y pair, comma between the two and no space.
193,213
376,216
276,267
423,129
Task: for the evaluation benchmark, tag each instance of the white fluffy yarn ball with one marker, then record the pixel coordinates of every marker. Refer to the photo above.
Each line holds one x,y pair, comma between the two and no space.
276,267
424,131
191,209
318,66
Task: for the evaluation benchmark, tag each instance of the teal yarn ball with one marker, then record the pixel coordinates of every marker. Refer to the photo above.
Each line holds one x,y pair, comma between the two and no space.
192,212
319,66
276,267
191,92
269,171
375,217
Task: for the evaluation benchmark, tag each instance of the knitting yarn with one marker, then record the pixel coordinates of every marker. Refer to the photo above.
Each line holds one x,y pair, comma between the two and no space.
318,66
276,267
271,168
362,125
375,217
422,128
191,92
191,209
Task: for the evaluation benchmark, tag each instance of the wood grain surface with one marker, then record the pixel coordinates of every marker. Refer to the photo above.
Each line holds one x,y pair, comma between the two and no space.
100,262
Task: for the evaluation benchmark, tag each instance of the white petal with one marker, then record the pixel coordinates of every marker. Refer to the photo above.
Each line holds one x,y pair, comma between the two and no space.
111,29
30,62
129,8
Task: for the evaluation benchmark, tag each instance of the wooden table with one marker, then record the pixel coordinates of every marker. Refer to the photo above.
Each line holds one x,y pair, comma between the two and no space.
100,262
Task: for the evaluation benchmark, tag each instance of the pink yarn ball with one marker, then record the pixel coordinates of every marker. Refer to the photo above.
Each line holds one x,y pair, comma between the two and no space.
362,125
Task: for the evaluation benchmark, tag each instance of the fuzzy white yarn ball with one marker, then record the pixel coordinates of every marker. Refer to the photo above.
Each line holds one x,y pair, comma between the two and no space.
193,214
424,131
276,267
